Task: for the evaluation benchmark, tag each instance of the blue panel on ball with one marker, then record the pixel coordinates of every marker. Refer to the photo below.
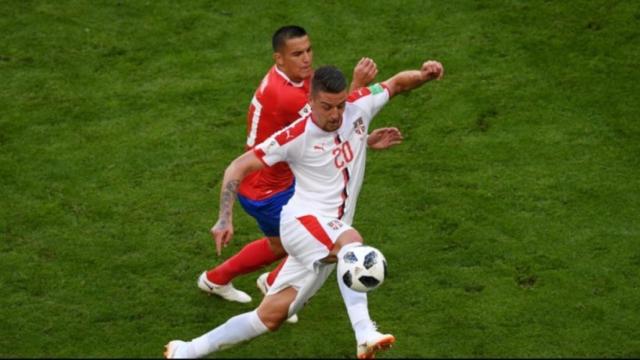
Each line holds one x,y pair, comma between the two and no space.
350,257
370,259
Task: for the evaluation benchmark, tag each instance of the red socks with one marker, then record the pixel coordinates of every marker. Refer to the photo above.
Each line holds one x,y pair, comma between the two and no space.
272,275
252,257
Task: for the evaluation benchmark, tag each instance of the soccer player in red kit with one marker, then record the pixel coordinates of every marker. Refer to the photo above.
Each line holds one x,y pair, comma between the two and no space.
281,98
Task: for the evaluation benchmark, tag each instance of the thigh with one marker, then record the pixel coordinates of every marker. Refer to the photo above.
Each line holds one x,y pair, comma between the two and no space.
309,238
311,287
293,274
260,211
266,212
274,308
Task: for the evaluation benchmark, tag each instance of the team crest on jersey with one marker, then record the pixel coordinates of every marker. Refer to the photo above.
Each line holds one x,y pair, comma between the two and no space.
305,110
358,126
335,224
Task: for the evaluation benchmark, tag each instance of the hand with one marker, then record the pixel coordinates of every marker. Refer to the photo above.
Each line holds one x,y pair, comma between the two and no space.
364,73
221,232
432,70
384,138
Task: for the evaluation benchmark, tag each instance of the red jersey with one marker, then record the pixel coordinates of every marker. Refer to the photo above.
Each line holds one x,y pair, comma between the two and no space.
277,103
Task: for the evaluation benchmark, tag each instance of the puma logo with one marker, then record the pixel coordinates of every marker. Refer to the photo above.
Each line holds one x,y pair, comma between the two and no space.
288,134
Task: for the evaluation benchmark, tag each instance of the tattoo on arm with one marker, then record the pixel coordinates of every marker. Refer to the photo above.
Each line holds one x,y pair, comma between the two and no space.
226,199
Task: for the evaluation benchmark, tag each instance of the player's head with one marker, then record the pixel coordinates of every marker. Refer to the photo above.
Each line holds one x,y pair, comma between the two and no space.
292,52
328,97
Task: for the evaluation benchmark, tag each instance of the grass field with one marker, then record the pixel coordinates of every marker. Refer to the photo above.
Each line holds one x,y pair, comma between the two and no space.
510,216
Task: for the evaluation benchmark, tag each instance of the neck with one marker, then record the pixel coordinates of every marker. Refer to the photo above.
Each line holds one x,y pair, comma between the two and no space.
313,118
289,78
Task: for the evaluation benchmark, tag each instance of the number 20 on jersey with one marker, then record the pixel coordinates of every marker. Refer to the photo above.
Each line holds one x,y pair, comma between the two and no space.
342,155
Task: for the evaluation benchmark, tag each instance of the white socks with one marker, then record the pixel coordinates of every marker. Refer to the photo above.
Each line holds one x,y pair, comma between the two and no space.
248,325
357,305
237,329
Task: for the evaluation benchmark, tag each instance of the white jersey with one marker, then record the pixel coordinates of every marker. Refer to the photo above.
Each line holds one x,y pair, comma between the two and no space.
328,166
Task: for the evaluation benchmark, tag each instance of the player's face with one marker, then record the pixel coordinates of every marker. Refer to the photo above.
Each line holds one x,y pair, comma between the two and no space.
327,109
295,58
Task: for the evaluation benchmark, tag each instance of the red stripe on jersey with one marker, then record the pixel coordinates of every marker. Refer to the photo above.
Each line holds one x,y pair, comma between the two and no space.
312,225
344,195
358,93
260,154
345,177
291,132
362,92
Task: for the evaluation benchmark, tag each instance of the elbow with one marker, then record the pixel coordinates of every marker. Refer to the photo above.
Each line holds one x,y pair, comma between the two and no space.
237,169
242,166
234,171
392,87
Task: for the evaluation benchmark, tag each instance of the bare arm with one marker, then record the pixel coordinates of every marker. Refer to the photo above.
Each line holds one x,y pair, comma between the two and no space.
411,79
222,231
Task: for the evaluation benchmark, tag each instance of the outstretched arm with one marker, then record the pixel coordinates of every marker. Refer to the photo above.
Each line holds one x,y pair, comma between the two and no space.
222,231
411,79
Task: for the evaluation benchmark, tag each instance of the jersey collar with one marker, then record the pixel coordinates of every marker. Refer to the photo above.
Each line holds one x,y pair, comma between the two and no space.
295,84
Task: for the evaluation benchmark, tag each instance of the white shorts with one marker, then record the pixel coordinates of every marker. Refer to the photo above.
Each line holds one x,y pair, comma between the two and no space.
306,239
309,238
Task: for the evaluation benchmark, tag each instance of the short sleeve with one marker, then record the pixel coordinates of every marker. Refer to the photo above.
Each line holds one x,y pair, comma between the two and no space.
370,99
270,152
284,145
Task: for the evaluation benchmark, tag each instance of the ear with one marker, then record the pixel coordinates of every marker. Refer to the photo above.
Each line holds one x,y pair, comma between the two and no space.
277,58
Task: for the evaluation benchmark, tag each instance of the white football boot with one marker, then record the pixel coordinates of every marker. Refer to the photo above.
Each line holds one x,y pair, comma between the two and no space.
376,342
227,292
176,349
264,287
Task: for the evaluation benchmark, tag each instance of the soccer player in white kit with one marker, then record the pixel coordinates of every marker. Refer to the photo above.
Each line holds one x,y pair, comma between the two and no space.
326,151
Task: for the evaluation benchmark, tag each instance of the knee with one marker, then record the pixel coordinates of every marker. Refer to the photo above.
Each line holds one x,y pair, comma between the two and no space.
272,320
276,246
351,236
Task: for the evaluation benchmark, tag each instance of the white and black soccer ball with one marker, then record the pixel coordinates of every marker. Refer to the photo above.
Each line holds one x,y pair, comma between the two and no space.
362,268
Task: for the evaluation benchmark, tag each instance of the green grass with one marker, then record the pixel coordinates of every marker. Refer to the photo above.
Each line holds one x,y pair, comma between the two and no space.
509,217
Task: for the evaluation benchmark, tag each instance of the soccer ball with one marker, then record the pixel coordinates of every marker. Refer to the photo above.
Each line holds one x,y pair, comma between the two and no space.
362,268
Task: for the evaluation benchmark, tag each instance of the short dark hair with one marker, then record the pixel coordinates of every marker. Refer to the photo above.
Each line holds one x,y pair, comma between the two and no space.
285,33
329,79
